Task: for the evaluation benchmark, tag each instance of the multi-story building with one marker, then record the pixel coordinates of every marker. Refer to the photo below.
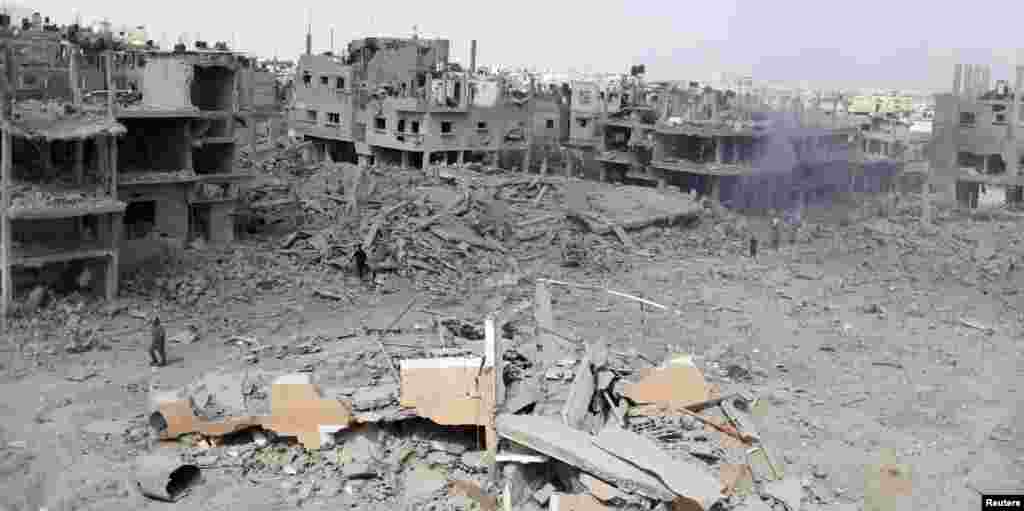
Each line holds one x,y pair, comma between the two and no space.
61,213
400,101
976,141
178,155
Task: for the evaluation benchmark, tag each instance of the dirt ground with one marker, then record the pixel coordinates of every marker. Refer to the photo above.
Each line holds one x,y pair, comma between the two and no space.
885,335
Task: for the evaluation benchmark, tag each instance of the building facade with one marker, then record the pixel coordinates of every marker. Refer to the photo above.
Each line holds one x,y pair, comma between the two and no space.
400,101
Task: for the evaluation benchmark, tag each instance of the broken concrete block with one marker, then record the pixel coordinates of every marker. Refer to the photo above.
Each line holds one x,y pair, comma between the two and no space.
687,480
439,458
544,493
601,490
423,481
522,481
575,448
474,460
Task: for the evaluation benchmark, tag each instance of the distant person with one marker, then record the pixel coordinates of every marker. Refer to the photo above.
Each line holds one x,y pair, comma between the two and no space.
360,259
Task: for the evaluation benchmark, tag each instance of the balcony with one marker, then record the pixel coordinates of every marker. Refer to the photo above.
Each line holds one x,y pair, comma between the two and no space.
410,104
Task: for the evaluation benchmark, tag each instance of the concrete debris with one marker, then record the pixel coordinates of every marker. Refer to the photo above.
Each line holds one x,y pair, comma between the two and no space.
685,479
576,449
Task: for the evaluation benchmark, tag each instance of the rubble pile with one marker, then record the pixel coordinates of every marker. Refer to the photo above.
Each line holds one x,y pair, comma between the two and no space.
29,196
465,228
482,424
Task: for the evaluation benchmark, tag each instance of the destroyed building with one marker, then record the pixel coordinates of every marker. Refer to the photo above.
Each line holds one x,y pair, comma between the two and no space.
103,182
977,153
401,101
178,155
60,213
737,155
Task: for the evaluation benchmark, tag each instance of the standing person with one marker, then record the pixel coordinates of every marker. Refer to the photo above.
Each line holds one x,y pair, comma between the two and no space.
360,259
776,231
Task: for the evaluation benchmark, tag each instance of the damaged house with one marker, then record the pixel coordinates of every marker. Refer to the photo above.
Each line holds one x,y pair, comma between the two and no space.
401,101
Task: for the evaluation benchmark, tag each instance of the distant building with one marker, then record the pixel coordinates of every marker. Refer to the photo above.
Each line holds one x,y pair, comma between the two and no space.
400,101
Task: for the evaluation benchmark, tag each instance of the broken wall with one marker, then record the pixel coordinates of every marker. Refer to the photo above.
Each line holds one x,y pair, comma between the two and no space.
153,144
167,83
213,88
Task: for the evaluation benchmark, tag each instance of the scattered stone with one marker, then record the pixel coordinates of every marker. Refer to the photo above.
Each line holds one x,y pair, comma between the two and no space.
474,460
439,458
423,481
207,461
543,495
358,470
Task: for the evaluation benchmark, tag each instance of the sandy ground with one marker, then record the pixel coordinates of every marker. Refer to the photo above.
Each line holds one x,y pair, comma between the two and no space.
855,349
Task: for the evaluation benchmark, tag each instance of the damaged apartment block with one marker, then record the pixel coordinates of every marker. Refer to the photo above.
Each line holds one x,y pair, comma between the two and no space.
400,101
61,215
179,152
92,189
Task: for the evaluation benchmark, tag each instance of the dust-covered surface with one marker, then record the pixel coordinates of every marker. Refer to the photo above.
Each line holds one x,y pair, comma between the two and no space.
866,334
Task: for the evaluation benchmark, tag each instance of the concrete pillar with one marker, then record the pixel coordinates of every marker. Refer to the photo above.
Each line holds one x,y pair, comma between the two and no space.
570,163
719,150
426,160
602,173
364,160
116,221
735,148
461,158
405,159
78,165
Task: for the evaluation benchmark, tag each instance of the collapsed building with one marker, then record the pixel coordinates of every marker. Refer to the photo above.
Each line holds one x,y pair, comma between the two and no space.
401,101
105,181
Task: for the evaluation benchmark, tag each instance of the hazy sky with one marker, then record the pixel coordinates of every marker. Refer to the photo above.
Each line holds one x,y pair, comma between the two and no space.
863,43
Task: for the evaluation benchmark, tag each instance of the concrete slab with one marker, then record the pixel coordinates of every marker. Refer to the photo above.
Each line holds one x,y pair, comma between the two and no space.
687,480
561,442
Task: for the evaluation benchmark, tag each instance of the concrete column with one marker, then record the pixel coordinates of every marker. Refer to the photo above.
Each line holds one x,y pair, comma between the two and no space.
364,160
78,165
405,159
735,150
426,160
719,150
570,163
602,173
461,158
116,226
